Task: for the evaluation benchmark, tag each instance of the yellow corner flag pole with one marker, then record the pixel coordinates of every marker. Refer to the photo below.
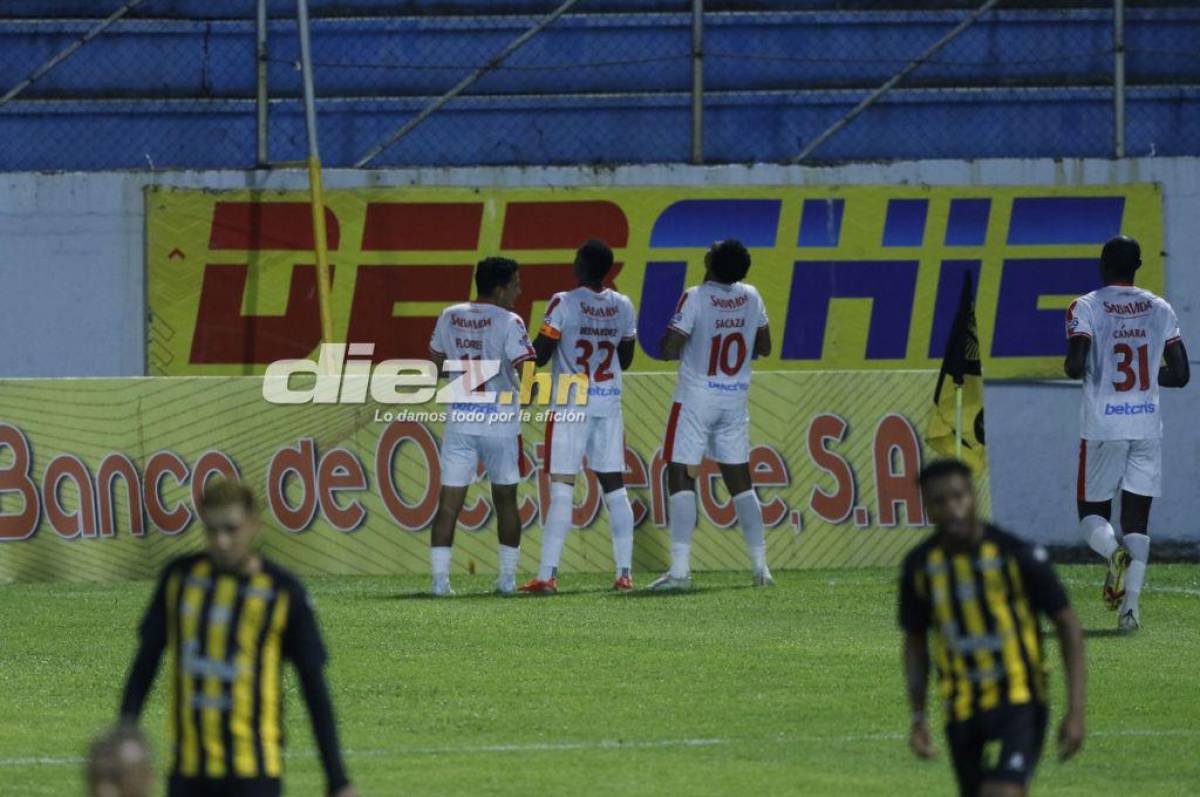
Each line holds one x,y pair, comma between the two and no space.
958,421
316,196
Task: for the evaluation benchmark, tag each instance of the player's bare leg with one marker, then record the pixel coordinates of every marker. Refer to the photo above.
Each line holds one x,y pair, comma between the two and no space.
450,502
1101,538
508,532
681,485
1135,525
620,518
554,535
749,515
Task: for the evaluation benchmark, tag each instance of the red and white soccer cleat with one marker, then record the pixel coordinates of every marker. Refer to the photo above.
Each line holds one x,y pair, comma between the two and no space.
536,586
623,584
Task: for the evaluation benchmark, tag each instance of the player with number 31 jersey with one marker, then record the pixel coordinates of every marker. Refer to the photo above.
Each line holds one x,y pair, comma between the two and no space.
1118,339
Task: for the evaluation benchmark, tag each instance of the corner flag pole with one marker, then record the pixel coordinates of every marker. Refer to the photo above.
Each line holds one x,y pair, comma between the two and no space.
958,421
316,197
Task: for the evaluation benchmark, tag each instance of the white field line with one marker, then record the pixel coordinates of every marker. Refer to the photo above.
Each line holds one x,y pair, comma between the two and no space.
606,744
1151,588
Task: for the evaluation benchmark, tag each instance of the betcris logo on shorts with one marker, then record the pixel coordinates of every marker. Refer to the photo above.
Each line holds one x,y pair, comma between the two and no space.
853,277
1145,408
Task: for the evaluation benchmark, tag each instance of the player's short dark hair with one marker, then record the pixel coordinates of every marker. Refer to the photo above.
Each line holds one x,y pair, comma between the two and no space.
729,260
493,273
595,258
941,468
1121,255
227,492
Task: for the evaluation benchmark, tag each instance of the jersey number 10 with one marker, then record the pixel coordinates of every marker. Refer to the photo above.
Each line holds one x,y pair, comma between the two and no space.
1125,367
726,352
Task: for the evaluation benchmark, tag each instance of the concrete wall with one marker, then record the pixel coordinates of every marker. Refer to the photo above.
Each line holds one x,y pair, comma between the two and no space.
71,263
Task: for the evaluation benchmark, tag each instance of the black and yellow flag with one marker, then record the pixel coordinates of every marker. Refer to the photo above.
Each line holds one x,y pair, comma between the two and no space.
962,365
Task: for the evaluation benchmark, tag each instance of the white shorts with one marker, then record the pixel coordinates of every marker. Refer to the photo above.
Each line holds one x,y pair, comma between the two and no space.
601,439
1131,465
723,433
463,453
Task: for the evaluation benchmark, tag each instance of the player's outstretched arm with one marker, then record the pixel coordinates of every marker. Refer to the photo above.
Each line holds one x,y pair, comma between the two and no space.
916,678
1078,348
1176,372
1070,640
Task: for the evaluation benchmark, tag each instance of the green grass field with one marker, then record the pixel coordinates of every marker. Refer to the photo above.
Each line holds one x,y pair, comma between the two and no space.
727,690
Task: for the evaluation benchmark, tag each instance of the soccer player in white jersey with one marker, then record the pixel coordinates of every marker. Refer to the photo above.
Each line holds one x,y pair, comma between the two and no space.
591,331
717,328
485,425
1118,338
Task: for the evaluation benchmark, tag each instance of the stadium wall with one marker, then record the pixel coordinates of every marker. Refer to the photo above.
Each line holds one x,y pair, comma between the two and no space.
72,259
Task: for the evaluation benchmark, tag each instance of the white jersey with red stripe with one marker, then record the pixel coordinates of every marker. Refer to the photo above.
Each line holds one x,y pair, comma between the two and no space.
1129,328
482,331
589,325
721,323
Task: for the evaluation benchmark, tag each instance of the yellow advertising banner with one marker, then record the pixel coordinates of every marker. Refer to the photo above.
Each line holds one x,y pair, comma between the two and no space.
99,478
854,277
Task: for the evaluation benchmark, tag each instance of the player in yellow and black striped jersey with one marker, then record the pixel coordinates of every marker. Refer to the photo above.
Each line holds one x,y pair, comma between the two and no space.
228,617
979,592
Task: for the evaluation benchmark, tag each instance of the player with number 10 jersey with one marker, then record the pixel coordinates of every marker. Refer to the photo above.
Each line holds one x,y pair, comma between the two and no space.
717,328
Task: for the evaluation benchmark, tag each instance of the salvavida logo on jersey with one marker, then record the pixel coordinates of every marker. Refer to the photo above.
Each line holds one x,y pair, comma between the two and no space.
1145,408
345,374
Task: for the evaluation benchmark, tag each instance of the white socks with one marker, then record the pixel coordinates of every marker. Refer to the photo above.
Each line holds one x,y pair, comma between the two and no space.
1099,535
558,523
509,557
439,564
1139,549
620,516
749,515
683,523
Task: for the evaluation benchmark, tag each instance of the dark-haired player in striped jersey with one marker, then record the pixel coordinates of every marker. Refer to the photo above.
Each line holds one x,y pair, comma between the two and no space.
978,592
229,617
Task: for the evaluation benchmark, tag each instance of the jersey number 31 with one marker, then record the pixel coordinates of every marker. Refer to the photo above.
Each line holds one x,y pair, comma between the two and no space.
1125,367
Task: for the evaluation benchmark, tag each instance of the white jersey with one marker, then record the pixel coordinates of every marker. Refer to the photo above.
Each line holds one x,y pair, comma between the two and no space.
721,323
487,332
1129,328
588,326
